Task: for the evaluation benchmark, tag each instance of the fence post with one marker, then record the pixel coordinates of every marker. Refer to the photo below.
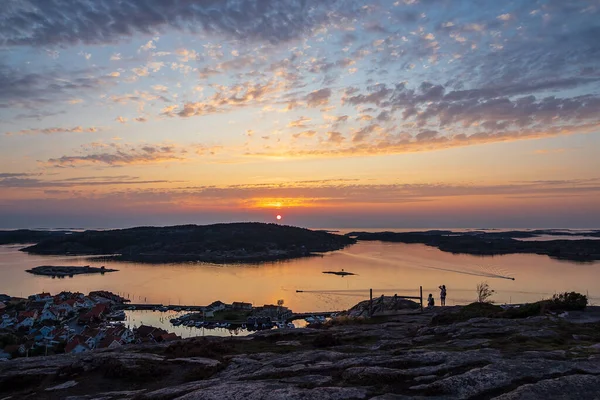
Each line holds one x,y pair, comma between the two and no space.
370,303
421,295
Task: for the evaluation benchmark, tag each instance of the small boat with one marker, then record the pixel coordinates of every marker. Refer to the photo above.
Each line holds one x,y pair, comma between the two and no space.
163,308
290,325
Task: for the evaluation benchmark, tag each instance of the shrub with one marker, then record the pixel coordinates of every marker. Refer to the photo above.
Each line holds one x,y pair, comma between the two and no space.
568,301
484,292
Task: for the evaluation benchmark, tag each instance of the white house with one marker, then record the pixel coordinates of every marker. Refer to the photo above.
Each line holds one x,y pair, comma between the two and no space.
27,322
49,315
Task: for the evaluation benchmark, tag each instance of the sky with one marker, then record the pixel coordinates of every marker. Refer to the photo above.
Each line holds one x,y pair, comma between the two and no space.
338,113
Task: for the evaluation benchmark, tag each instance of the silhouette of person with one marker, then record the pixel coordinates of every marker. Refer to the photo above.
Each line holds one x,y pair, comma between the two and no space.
443,295
430,301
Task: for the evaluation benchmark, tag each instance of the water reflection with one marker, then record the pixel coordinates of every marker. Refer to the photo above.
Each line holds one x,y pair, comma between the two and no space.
387,267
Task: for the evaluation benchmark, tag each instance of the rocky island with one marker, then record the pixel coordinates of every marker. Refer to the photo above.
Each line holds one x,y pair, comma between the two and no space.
480,351
497,243
51,270
219,243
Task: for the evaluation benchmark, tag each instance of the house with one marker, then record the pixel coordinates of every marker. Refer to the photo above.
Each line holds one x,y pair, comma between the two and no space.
240,306
44,332
24,322
95,314
149,332
49,315
28,314
67,306
217,305
45,297
7,321
4,298
109,342
84,302
61,334
167,337
124,334
77,345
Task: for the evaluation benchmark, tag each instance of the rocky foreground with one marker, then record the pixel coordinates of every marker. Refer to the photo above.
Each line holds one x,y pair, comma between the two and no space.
398,357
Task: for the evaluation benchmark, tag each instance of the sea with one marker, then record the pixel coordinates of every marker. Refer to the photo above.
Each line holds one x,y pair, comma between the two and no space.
386,268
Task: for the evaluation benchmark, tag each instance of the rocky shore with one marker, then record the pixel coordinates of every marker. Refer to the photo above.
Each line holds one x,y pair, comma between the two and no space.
411,355
58,271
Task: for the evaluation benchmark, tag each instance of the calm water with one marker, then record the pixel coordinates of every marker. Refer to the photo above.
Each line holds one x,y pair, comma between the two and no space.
386,267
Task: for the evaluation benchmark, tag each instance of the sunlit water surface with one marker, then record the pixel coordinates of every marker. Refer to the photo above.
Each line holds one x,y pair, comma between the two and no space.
386,267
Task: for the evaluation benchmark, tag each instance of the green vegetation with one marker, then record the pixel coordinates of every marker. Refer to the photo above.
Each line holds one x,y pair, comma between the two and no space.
559,303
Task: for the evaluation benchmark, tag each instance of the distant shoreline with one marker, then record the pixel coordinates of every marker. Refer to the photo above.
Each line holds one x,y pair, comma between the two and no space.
482,243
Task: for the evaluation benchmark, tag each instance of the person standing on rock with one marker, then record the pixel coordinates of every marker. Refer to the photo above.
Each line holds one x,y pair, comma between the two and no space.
443,295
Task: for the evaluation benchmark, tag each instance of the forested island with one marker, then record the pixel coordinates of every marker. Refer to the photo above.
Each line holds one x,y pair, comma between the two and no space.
497,243
218,243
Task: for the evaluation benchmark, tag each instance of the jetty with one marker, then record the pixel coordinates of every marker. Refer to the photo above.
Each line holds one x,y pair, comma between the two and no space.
61,271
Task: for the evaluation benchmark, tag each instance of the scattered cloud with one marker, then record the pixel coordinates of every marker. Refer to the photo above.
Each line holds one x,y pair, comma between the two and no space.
119,155
49,131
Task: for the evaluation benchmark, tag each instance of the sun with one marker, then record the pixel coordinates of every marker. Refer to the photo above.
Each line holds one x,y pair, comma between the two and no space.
278,217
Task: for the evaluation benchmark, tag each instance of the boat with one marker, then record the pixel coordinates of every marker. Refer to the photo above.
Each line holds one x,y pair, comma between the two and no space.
163,308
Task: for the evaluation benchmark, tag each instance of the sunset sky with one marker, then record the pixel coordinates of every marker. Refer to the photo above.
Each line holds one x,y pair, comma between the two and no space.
331,113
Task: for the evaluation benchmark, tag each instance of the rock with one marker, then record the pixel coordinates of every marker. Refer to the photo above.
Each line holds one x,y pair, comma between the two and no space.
372,375
273,391
66,385
294,343
176,391
468,343
540,334
581,387
425,378
200,361
308,381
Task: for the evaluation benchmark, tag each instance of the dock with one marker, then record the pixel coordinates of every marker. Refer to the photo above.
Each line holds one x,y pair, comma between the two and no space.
326,314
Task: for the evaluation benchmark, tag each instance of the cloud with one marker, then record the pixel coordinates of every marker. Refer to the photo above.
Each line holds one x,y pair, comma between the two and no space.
21,88
49,131
318,98
123,155
19,181
148,46
54,23
299,123
335,137
227,98
304,134
121,119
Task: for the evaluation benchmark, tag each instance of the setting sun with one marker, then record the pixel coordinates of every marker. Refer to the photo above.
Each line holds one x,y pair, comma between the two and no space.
278,217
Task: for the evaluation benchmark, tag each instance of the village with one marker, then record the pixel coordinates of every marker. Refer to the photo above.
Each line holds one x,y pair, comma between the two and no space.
45,324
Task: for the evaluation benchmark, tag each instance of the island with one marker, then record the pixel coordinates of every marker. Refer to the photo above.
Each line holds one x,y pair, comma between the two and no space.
483,243
21,236
51,270
218,243
339,273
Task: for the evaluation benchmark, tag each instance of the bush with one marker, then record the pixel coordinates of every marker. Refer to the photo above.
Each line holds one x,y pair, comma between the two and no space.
473,310
484,292
572,301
